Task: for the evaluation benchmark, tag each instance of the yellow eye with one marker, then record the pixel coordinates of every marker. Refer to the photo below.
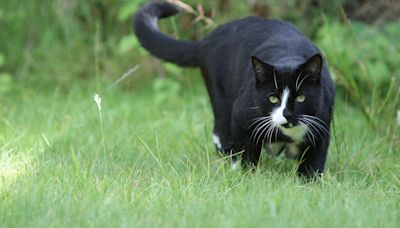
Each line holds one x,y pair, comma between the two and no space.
273,99
300,98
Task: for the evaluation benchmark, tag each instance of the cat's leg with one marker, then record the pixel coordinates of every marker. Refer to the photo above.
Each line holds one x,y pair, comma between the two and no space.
246,150
222,108
222,142
251,155
312,161
222,134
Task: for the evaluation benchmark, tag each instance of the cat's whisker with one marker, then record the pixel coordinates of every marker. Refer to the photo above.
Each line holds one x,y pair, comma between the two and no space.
256,128
310,137
276,84
317,124
268,133
318,120
272,133
309,133
259,127
316,131
312,126
262,129
301,82
257,120
262,135
297,81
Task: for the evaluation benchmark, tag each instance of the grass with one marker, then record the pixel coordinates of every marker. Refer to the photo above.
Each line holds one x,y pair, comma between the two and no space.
160,168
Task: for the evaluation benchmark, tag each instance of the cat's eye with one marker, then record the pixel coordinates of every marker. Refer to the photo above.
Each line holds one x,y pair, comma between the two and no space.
300,98
273,99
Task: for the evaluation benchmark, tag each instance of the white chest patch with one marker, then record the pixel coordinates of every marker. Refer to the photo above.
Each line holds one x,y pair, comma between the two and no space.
296,133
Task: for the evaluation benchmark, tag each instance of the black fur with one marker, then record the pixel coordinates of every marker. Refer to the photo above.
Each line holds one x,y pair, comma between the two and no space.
243,63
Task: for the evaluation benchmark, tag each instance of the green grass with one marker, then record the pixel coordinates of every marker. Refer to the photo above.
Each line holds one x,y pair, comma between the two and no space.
159,167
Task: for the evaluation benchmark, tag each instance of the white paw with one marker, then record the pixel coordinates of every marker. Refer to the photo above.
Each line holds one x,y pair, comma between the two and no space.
217,141
235,165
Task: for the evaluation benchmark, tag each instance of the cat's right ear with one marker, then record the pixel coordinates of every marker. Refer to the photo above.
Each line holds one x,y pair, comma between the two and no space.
262,70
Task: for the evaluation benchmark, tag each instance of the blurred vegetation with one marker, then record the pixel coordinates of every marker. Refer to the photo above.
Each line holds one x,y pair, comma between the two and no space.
48,43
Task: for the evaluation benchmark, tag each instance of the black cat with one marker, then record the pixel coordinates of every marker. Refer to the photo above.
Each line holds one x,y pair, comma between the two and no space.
268,84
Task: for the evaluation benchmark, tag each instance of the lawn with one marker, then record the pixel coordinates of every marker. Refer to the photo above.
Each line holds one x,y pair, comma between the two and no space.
148,160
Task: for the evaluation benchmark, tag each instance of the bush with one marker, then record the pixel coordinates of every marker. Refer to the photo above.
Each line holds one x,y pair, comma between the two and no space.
364,61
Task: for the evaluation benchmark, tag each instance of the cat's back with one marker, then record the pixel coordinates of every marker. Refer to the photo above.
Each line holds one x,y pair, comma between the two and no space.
253,28
252,35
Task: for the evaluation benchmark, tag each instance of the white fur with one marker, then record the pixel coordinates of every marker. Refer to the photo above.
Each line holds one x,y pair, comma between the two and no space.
235,165
295,133
277,114
216,141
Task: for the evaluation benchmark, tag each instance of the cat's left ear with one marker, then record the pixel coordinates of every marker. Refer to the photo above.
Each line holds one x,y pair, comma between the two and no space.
263,70
312,67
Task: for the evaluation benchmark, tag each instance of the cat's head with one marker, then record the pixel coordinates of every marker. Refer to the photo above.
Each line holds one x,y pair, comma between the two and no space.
289,91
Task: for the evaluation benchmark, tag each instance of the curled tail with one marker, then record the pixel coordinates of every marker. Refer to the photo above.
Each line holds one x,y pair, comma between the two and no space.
184,53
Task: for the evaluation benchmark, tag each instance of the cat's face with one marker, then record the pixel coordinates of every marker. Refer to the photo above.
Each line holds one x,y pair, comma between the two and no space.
288,93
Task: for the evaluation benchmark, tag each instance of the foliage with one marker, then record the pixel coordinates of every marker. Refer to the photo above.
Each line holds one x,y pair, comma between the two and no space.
364,60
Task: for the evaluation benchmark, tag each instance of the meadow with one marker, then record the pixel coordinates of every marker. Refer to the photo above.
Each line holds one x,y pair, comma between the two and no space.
145,158
151,162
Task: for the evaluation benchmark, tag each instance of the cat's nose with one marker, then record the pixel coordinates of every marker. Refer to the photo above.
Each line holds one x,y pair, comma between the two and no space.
287,114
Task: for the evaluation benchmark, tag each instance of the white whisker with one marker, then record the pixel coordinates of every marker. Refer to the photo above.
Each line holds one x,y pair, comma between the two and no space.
262,130
257,120
301,82
276,134
318,123
312,126
272,133
268,133
276,83
309,132
297,80
259,128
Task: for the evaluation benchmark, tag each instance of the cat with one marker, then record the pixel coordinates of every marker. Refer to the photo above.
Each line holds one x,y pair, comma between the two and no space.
268,84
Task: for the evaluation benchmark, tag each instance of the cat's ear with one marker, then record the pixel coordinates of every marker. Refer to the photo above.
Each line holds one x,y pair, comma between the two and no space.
263,70
312,67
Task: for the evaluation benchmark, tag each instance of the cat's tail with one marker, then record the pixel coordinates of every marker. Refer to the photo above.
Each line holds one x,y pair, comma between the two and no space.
184,53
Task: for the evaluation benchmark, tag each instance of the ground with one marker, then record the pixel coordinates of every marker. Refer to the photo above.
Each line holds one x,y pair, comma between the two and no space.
149,160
